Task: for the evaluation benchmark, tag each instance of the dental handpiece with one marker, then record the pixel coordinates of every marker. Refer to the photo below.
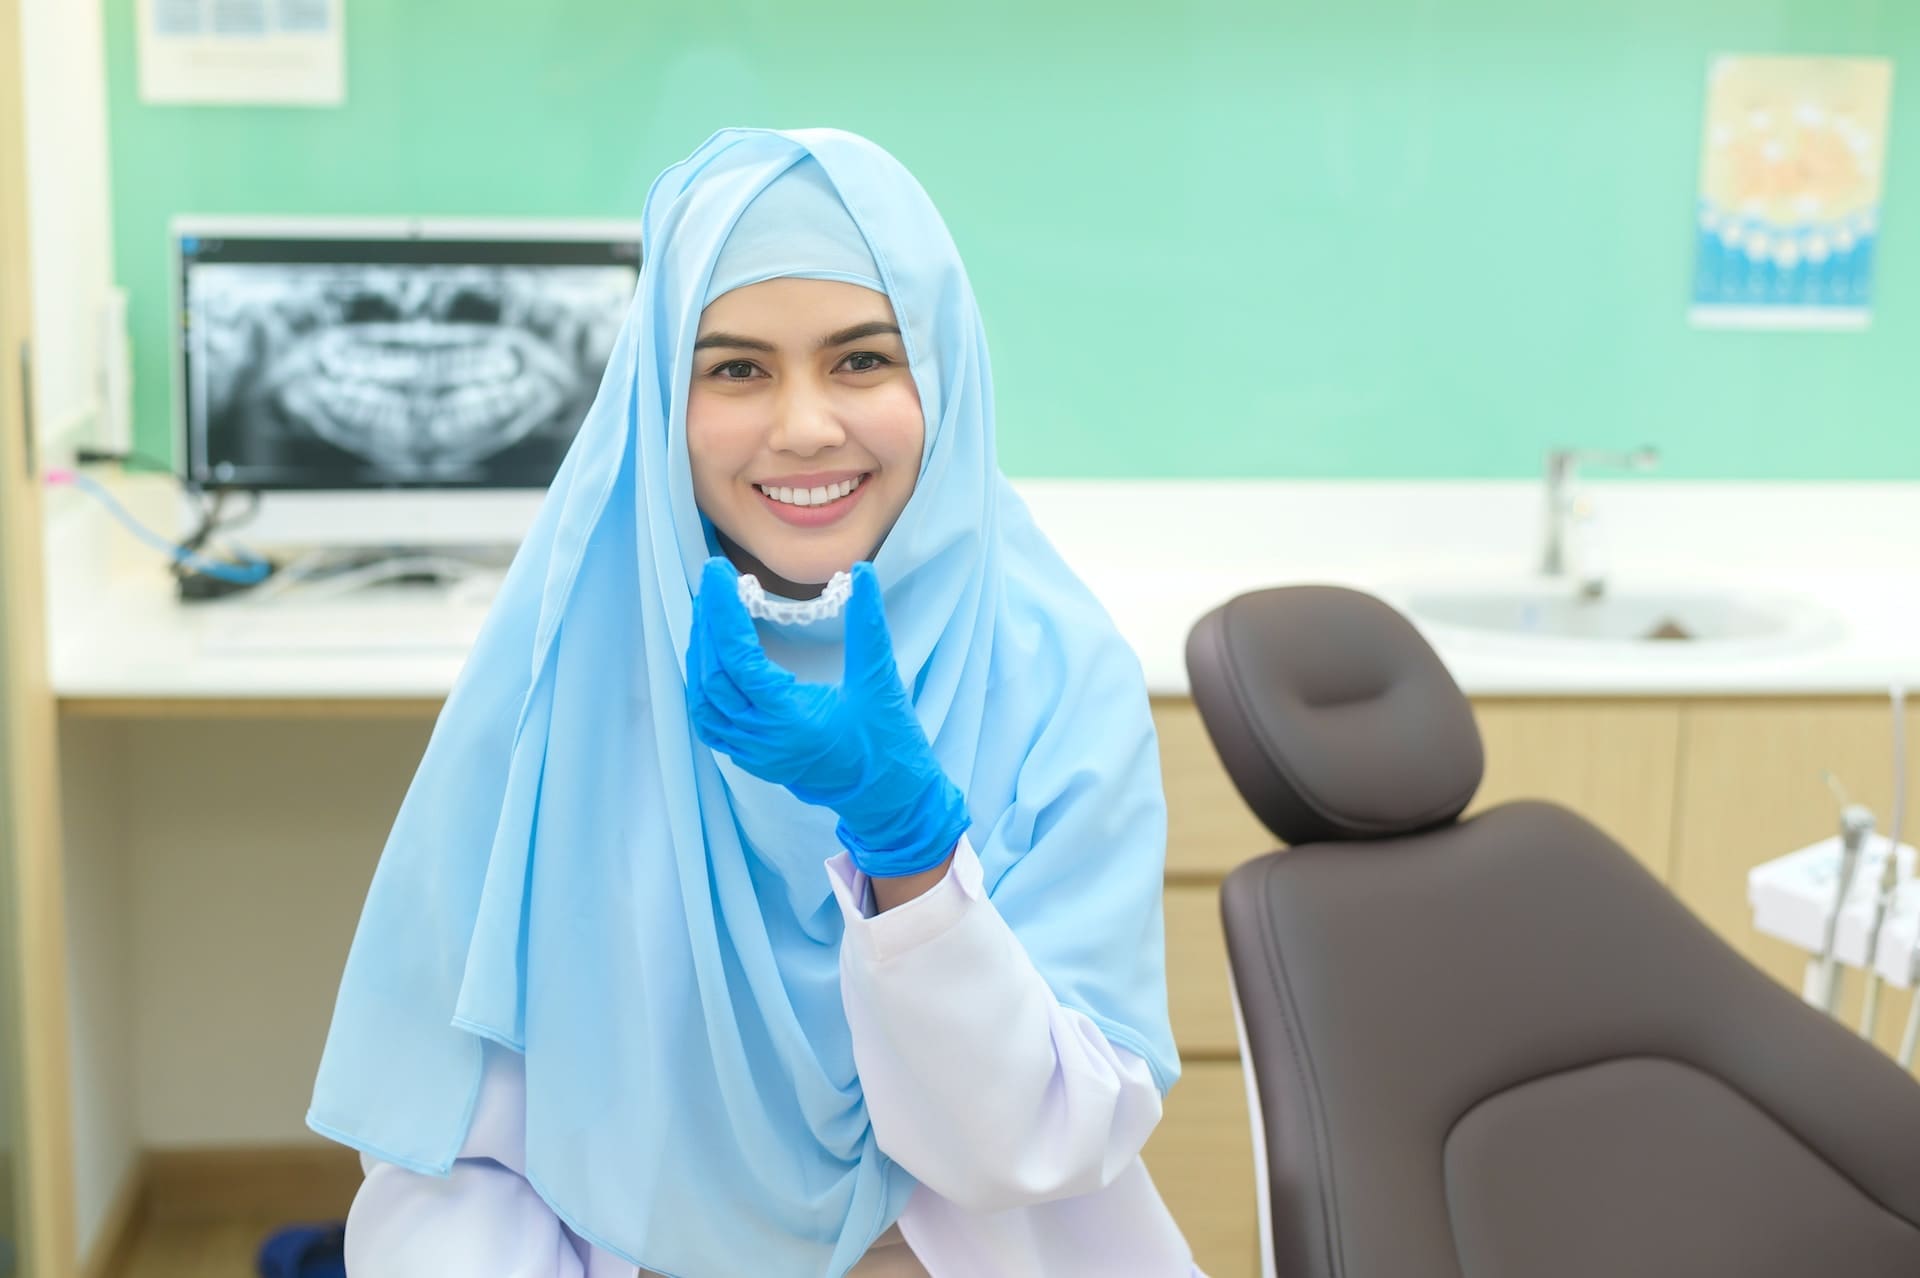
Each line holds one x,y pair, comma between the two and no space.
1898,695
1907,1040
1856,824
1882,905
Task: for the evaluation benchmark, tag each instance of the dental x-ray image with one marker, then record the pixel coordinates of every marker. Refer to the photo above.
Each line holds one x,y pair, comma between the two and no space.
375,374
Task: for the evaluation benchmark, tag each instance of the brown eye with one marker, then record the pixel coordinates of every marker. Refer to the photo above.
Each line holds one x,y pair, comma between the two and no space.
866,362
735,370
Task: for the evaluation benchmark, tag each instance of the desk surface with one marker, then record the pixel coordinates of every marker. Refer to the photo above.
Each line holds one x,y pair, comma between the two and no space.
120,645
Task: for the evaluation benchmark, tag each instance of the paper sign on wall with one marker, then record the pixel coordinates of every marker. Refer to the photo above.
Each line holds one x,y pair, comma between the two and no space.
1791,170
242,51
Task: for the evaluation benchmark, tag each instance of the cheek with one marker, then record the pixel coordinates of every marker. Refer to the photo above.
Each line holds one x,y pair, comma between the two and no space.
721,440
893,430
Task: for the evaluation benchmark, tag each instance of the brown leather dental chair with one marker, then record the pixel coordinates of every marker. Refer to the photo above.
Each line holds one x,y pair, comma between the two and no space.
1498,1047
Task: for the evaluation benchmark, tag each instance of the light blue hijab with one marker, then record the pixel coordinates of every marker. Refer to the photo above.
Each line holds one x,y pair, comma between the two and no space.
575,877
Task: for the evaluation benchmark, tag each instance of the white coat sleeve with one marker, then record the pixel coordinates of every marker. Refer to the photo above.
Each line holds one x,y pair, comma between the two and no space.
977,1080
481,1221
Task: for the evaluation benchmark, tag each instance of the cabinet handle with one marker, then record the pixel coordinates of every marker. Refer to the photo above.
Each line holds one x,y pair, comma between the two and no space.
26,408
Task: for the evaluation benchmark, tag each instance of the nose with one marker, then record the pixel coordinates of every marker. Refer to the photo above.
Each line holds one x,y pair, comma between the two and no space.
805,421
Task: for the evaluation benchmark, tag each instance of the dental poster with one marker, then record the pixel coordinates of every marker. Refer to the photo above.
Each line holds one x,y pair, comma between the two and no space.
1791,170
230,52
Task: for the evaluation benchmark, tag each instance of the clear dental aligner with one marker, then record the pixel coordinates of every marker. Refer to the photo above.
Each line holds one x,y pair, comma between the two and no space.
771,608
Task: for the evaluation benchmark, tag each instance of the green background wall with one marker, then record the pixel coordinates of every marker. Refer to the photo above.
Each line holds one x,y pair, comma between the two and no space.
1384,238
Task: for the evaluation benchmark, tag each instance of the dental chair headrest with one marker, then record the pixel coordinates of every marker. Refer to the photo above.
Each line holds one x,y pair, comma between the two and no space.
1333,716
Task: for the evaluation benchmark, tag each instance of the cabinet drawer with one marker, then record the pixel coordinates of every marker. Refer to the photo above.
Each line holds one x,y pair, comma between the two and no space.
1201,1157
1197,994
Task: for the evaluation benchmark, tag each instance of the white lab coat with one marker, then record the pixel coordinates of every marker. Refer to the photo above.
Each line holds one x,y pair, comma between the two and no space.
1021,1122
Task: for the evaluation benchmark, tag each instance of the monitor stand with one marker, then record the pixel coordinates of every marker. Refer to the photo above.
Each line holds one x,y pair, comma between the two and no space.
361,603
460,576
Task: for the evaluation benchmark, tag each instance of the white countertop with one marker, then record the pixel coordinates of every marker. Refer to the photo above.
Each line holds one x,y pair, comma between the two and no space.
1161,554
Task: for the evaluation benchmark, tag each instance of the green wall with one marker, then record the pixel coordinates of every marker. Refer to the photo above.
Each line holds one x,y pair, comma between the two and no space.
1382,238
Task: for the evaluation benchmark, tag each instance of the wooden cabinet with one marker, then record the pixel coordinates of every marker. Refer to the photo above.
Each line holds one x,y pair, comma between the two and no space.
1201,1157
36,1140
1613,762
1197,973
1699,790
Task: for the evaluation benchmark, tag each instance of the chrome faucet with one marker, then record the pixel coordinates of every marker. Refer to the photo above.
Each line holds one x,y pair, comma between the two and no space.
1562,466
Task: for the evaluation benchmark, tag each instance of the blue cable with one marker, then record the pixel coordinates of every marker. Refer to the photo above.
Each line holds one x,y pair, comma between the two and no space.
251,571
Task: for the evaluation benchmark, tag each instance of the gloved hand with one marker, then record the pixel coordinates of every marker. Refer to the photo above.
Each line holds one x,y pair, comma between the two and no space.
856,748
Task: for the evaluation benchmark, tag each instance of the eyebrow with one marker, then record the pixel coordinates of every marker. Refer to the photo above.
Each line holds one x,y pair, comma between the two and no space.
733,341
873,328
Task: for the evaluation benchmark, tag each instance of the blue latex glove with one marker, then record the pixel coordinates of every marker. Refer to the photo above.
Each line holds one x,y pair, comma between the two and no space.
856,748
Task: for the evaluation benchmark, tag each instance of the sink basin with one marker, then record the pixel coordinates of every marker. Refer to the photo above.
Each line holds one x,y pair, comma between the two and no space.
1676,619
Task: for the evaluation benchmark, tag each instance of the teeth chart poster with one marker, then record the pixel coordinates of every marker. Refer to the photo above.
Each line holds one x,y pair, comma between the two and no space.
1792,166
233,52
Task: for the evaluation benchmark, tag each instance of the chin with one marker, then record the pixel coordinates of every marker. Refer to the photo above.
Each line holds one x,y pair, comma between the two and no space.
809,567
810,570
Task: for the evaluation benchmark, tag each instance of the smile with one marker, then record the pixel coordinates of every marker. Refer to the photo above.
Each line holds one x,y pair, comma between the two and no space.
813,496
813,507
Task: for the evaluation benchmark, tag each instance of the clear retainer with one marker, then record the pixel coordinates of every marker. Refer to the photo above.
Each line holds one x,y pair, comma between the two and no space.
790,611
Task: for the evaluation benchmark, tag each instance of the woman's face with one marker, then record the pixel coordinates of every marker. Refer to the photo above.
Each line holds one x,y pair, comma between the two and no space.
804,428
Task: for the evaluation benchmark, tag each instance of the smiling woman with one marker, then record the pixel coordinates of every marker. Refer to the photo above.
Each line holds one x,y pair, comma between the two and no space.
803,427
716,943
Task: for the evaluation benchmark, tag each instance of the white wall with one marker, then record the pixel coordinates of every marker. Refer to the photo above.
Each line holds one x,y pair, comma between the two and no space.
251,845
67,207
106,1137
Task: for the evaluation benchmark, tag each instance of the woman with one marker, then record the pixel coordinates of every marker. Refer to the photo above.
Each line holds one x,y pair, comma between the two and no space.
720,948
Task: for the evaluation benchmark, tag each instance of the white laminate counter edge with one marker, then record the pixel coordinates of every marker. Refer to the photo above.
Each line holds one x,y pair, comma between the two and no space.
1159,554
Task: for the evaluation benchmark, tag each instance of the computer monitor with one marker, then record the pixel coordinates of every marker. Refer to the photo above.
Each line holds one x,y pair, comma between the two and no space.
391,381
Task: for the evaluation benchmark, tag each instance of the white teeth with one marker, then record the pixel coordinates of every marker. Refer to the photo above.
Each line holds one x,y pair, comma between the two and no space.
813,496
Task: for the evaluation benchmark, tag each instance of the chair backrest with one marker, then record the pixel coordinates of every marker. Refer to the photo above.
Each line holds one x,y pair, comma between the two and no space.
1498,1047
